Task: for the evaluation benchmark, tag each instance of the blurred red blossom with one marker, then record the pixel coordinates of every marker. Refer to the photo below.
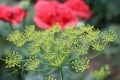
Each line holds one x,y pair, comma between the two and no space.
45,14
12,14
65,16
80,8
50,13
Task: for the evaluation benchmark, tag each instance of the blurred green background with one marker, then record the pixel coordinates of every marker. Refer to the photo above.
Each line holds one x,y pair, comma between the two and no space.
106,14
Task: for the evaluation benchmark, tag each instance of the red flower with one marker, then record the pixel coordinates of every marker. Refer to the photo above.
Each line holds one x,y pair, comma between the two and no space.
4,12
12,14
50,13
80,8
65,16
45,14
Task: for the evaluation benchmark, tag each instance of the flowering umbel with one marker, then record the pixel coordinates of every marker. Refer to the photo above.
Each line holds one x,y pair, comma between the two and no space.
55,49
13,60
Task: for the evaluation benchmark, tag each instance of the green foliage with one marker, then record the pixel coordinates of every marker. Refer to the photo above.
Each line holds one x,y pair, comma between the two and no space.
56,48
104,12
101,74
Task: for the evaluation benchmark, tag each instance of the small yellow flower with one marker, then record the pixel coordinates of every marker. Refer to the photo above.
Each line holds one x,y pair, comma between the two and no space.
13,60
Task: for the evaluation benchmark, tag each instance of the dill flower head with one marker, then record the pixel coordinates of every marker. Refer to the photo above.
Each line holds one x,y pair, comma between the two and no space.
13,60
57,48
17,38
32,63
81,65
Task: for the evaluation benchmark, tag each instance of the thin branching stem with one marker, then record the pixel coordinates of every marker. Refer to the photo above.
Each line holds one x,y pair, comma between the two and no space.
93,56
60,73
2,59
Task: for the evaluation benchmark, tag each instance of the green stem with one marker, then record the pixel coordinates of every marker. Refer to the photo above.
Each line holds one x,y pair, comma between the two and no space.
60,73
93,56
24,24
2,59
9,74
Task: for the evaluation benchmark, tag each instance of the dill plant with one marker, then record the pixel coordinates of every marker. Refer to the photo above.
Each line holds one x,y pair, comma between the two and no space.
56,49
102,73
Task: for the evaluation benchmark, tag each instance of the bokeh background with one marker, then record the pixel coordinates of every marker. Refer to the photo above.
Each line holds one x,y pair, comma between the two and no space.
106,14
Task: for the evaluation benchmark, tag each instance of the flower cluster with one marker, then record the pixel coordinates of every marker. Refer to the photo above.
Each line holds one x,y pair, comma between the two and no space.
13,60
17,37
55,48
81,65
58,46
12,14
48,13
32,63
50,78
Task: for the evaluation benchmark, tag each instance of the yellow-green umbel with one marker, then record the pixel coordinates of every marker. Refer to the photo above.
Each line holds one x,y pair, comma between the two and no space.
56,48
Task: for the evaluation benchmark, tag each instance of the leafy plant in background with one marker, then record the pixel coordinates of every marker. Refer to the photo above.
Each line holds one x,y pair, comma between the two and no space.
54,49
105,12
101,74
